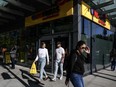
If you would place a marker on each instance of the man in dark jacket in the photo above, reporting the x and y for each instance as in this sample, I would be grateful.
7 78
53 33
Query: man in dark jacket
75 69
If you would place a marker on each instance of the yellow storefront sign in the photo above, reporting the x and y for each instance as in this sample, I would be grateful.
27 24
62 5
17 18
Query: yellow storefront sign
63 10
86 12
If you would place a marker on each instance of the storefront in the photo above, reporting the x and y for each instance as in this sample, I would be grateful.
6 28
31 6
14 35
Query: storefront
52 26
70 22
98 35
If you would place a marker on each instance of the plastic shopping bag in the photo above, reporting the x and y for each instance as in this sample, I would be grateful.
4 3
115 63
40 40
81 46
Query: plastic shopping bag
33 69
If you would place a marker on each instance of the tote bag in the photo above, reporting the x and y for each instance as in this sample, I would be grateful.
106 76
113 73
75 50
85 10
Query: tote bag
33 69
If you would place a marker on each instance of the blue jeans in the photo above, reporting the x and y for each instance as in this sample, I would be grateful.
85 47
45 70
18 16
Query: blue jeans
77 80
42 63
57 64
13 62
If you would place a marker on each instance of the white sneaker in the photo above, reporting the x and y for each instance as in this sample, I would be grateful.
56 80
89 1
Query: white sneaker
39 80
61 77
53 79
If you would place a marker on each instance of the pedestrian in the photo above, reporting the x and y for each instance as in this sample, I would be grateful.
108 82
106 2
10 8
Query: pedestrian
3 49
113 59
66 59
41 57
59 60
75 68
13 56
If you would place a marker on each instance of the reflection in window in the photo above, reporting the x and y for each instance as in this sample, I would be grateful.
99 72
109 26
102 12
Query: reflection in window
101 33
86 31
102 42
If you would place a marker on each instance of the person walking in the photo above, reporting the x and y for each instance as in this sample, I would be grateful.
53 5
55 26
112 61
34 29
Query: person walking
13 56
41 57
75 68
59 60
113 59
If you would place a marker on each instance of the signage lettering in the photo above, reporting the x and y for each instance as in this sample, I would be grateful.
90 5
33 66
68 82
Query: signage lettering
51 12
54 11
102 22
96 14
101 17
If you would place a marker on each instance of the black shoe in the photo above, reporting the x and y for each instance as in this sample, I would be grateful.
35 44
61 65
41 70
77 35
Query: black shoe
12 67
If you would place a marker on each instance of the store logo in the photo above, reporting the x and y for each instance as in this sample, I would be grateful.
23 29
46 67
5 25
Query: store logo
101 17
53 11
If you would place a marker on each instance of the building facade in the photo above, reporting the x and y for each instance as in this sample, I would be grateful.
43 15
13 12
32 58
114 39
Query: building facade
70 22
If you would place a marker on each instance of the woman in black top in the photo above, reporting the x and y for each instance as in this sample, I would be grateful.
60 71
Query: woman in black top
75 69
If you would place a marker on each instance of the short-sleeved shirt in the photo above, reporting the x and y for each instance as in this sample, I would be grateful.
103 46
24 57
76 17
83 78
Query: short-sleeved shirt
59 52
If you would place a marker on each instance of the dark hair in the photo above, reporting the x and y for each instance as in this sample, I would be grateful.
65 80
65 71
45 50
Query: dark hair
79 43
42 43
58 42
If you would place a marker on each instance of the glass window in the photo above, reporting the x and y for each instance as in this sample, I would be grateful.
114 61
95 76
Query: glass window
102 43
85 35
86 31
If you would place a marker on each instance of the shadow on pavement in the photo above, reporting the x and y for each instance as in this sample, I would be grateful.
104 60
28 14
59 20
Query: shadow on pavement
25 75
30 83
105 77
108 69
5 76
106 74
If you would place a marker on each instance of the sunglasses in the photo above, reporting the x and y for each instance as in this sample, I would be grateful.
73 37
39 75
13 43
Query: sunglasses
83 47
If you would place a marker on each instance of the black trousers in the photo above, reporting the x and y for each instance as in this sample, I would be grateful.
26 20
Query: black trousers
13 63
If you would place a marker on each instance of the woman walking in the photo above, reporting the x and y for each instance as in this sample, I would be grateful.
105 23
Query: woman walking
41 57
75 69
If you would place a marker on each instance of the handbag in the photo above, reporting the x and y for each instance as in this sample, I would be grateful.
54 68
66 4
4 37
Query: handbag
33 69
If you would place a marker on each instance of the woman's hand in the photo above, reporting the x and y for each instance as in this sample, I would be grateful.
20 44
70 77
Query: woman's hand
66 82
87 50
34 61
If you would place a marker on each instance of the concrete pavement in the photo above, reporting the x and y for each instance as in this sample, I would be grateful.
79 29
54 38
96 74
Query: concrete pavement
20 77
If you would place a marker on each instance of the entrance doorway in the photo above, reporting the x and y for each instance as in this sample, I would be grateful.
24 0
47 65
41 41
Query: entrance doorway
51 46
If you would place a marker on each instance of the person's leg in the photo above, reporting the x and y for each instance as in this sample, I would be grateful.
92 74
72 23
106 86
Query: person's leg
82 81
61 70
77 80
114 64
44 69
111 65
13 63
56 70
42 65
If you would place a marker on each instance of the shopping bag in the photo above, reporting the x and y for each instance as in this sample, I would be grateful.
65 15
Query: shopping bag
33 69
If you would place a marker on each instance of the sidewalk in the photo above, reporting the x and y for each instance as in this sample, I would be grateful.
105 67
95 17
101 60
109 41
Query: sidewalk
20 77
103 78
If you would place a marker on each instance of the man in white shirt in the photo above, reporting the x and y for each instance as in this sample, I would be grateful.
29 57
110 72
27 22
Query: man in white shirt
42 55
60 54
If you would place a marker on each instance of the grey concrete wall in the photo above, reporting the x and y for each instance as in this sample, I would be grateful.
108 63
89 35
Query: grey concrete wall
76 24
